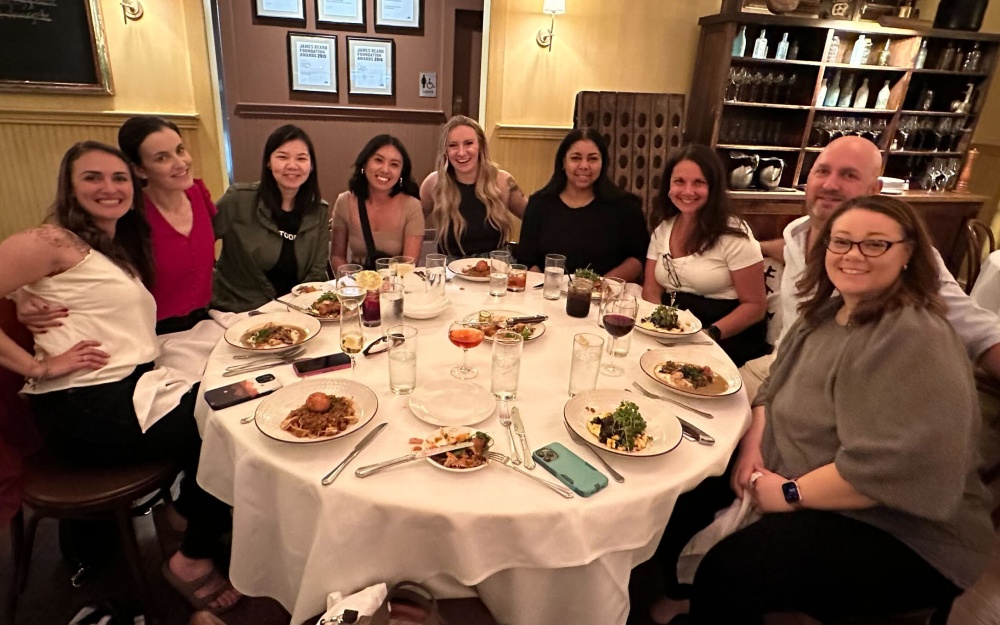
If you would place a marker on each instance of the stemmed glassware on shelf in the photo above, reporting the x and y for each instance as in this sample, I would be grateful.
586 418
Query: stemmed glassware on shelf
619 319
465 334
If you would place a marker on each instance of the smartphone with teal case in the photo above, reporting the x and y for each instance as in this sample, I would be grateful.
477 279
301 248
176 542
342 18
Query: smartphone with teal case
570 469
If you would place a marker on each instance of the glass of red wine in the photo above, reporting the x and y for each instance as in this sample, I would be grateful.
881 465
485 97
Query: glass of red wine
619 319
466 335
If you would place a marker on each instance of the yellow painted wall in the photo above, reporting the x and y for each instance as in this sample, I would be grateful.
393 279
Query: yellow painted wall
159 64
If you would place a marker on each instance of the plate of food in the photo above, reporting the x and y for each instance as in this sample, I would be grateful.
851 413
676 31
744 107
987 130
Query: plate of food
314 411
472 269
589 275
461 460
452 402
312 287
692 370
623 423
322 304
272 331
665 321
493 321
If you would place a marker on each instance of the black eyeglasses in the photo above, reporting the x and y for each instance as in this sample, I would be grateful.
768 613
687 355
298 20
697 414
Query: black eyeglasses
672 276
870 248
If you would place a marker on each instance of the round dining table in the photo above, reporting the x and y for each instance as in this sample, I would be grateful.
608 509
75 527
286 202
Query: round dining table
531 555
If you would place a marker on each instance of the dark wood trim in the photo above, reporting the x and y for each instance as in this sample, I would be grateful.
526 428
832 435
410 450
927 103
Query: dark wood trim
340 113
841 25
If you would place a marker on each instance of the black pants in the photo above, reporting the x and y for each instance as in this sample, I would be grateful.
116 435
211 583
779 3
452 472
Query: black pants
749 344
97 426
180 324
820 563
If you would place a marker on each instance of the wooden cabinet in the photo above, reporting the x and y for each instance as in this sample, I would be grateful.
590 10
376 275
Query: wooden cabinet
783 111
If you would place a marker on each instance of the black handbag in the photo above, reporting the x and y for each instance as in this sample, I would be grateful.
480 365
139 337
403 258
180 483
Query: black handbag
366 229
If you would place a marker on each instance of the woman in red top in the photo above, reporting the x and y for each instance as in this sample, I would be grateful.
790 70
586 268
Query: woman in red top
180 211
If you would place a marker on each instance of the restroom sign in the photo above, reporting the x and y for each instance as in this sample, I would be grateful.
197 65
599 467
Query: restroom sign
428 84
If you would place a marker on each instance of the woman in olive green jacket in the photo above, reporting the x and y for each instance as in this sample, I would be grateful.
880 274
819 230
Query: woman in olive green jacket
275 233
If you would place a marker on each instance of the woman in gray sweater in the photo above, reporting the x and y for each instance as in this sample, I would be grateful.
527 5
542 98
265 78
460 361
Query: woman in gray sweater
864 438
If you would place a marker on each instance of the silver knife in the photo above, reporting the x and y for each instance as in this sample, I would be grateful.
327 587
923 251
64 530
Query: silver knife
261 367
515 414
510 321
697 433
649 393
332 475
427 453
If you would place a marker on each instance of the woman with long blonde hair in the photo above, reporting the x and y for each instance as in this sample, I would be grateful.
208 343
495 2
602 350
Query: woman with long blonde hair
470 200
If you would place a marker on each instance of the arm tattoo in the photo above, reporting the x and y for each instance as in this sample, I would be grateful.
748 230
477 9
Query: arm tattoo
60 237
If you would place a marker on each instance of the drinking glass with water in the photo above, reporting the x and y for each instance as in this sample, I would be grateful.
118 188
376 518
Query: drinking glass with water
402 359
506 364
555 269
499 266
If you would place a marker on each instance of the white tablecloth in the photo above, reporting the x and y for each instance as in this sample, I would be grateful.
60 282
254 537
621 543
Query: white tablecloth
532 556
986 291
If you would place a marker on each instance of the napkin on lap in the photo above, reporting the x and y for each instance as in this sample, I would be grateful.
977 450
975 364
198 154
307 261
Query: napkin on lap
366 602
737 516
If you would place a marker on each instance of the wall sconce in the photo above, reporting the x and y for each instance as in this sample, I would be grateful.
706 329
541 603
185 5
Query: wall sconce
131 10
553 8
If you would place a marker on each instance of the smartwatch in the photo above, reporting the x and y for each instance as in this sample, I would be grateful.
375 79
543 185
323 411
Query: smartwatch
714 332
792 494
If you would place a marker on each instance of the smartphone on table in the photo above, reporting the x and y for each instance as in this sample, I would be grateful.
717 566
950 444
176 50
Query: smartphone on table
239 392
321 364
570 469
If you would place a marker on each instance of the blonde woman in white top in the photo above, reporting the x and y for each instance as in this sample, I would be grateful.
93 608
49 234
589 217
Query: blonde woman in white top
95 257
703 257
471 202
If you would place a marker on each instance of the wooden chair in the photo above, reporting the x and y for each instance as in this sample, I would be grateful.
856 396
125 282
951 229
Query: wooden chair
51 488
978 238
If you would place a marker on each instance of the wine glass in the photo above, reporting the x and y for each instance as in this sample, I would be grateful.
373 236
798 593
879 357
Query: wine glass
352 337
465 334
619 319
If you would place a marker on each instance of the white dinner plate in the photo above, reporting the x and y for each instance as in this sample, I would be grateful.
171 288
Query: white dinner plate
312 287
425 312
446 436
662 426
692 323
456 266
539 328
452 402
275 407
695 355
234 334
306 300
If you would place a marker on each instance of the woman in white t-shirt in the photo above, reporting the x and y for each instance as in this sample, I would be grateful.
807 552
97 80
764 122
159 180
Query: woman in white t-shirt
702 256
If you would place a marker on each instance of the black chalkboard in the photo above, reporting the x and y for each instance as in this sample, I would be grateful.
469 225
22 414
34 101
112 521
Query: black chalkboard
51 45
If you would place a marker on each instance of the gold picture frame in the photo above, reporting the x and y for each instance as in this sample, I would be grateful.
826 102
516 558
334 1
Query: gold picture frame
55 48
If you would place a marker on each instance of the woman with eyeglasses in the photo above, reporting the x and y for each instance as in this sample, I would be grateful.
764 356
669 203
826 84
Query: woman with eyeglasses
581 214
703 258
865 439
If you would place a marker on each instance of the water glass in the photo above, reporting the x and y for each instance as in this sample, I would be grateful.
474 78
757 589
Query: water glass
402 359
384 266
499 266
586 364
610 289
435 264
506 364
348 270
390 301
555 269
402 265
517 278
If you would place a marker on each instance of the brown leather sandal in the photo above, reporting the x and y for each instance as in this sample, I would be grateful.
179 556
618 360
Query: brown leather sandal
188 589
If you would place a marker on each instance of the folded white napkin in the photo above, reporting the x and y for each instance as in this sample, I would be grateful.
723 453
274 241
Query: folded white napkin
365 602
180 365
737 516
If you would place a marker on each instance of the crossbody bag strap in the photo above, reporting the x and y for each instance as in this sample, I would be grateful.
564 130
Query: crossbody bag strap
366 230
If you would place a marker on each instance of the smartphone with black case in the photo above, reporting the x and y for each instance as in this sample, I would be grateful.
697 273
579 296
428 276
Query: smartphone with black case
570 469
322 364
239 392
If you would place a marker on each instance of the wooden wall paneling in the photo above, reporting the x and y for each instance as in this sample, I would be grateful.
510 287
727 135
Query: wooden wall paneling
641 142
623 173
659 145
608 122
586 112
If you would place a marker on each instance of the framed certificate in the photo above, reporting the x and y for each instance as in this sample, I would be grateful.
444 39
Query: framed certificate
280 9
340 13
312 62
399 15
372 66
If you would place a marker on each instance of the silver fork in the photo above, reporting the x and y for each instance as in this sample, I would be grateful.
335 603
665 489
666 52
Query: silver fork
505 461
652 395
295 351
506 422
